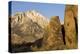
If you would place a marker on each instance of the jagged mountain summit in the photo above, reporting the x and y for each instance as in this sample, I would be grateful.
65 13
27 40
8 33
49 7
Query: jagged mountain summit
27 27
37 17
34 15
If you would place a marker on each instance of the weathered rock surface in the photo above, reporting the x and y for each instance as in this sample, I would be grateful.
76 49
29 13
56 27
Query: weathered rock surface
37 17
26 29
53 38
70 25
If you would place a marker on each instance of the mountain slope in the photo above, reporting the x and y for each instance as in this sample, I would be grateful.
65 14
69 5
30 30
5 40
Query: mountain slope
28 26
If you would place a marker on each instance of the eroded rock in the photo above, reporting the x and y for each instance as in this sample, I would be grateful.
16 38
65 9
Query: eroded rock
70 26
25 29
53 38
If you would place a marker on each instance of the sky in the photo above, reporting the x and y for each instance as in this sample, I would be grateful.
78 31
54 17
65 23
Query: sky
46 9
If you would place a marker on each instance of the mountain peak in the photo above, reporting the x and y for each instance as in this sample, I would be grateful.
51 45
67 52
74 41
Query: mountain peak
34 15
28 26
37 17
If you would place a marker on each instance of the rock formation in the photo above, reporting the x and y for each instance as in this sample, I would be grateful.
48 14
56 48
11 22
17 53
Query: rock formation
53 38
27 27
70 25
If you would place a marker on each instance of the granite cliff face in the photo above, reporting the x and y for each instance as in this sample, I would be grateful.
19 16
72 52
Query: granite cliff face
27 27
37 17
34 16
71 26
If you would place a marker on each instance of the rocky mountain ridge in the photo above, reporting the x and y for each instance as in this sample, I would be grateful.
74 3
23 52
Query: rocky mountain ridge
28 25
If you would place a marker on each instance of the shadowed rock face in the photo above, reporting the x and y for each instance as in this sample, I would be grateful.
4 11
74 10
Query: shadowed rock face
70 25
63 33
26 47
75 11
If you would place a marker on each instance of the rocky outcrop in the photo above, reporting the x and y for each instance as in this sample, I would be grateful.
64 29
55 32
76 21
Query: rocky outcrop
25 29
34 16
53 38
70 25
